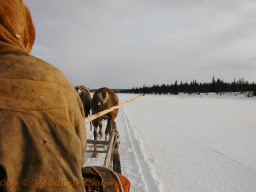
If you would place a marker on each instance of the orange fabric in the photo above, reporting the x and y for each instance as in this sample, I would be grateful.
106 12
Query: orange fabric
125 182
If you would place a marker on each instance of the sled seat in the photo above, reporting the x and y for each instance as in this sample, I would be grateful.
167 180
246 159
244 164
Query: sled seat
102 179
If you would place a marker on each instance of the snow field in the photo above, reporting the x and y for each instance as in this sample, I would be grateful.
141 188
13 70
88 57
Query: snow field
187 143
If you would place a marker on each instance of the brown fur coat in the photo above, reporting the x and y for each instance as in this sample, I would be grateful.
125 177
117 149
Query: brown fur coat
42 131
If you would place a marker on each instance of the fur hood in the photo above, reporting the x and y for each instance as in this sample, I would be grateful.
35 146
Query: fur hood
17 32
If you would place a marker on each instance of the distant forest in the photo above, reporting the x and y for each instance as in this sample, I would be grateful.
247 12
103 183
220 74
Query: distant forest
216 86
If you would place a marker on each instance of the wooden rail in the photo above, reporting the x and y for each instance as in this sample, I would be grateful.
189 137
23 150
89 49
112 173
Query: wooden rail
97 115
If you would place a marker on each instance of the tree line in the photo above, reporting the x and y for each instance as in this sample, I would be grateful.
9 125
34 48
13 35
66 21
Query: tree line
216 86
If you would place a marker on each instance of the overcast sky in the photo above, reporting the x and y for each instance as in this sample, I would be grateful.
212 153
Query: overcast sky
129 43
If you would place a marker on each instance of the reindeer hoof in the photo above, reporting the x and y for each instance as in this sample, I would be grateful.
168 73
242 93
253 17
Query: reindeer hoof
95 155
100 134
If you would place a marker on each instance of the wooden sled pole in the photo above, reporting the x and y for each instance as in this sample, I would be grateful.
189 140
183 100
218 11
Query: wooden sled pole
97 115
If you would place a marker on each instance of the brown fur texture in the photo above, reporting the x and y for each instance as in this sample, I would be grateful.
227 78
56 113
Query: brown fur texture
85 97
104 98
17 31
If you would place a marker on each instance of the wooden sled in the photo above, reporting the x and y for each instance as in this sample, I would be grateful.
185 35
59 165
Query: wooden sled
111 168
111 148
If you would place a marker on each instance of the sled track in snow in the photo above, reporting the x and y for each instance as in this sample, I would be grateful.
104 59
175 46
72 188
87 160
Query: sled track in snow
149 182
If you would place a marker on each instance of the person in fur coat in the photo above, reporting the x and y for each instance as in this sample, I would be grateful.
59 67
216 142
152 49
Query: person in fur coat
42 130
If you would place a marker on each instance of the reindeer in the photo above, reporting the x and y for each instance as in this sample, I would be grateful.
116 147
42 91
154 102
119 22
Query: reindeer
104 98
85 97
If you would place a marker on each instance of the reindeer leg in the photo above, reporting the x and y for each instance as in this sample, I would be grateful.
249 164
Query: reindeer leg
109 127
90 126
95 154
100 131
89 114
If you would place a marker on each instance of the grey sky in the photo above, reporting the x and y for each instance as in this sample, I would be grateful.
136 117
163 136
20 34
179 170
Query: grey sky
128 43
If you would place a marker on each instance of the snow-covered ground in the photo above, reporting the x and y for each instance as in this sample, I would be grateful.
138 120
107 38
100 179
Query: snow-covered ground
187 143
